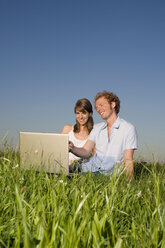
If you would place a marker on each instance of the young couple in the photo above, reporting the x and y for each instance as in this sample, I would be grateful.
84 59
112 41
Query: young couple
113 140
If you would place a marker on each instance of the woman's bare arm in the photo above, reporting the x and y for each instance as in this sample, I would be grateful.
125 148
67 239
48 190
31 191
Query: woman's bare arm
66 129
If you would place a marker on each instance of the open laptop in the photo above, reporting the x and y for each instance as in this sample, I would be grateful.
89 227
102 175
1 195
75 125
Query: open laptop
44 151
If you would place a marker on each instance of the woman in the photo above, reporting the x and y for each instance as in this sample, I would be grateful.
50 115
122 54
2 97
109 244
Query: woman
78 133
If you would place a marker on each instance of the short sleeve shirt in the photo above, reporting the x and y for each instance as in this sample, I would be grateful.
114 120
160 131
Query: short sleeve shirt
110 152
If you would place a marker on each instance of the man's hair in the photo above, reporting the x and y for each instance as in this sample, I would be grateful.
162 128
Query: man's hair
84 105
111 97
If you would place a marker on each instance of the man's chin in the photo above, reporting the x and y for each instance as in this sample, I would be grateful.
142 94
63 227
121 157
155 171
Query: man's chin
103 117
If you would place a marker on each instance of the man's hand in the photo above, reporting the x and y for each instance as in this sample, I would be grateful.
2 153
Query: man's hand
71 146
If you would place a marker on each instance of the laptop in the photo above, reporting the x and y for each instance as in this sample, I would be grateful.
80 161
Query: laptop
44 151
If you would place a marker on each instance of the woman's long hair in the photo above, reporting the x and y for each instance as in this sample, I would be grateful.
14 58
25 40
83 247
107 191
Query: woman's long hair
84 105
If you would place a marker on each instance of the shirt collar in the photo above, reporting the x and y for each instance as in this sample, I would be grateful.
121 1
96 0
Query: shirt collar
116 124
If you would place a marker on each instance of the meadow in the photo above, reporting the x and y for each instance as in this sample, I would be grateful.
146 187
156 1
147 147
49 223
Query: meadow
41 210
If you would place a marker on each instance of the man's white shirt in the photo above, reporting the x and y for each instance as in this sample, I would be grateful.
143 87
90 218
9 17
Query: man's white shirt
110 152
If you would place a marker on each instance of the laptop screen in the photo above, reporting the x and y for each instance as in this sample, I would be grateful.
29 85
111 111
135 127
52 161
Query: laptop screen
44 151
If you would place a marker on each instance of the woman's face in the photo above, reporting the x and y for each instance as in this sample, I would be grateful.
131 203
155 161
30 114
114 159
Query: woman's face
82 116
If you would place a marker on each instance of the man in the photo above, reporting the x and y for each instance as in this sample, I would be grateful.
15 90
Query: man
114 139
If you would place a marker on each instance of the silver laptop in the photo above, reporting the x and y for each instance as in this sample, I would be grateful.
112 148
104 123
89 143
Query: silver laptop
44 151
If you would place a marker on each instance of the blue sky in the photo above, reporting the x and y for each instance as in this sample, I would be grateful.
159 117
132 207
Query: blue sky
55 52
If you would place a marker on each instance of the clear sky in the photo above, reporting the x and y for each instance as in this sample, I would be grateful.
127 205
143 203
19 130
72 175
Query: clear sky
53 52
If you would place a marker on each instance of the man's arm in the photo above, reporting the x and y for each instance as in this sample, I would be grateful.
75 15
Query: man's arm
84 151
128 162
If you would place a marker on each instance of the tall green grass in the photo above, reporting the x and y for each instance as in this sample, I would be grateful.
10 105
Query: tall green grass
40 210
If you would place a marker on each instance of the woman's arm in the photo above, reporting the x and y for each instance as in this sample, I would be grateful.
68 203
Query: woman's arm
66 129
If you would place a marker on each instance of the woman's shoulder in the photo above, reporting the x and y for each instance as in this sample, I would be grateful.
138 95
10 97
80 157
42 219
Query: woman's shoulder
66 129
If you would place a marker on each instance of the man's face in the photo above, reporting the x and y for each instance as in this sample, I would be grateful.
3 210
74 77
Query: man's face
104 108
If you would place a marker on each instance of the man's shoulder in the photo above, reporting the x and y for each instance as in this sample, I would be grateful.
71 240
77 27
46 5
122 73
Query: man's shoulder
99 125
96 130
125 123
127 127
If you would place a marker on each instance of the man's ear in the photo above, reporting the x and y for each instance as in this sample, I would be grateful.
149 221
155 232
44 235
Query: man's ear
113 104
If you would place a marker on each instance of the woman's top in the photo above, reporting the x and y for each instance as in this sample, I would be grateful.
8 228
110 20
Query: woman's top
76 142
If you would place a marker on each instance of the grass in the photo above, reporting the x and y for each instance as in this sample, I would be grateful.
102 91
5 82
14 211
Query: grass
37 210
